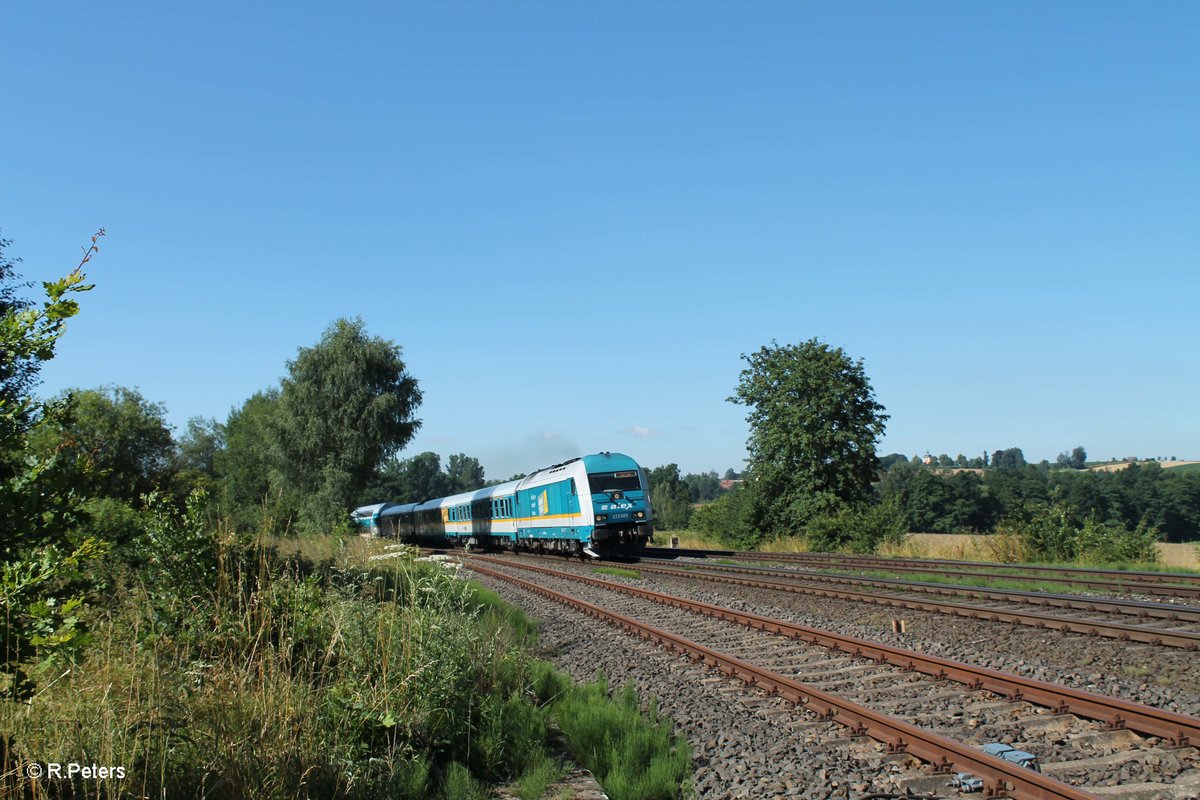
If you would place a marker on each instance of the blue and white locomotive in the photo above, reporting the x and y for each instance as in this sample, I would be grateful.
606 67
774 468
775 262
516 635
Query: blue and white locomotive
593 505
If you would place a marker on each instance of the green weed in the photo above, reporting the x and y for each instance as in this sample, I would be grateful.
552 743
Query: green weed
618 572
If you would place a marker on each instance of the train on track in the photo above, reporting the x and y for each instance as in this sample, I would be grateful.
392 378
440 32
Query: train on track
595 505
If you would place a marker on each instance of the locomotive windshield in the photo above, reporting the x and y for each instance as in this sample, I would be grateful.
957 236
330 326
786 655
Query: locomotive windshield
614 481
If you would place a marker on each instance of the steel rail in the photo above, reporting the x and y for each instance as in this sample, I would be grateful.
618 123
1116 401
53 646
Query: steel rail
1143 582
1110 630
944 754
1179 729
1140 608
1122 575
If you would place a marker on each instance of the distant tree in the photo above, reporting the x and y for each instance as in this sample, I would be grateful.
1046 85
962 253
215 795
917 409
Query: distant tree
887 461
916 461
670 498
119 442
386 486
814 423
730 475
246 465
945 461
197 449
465 473
703 487
733 518
347 405
961 461
422 479
1078 458
985 458
1012 458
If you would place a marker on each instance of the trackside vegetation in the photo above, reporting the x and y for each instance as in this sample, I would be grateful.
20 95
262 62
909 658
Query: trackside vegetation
187 618
288 678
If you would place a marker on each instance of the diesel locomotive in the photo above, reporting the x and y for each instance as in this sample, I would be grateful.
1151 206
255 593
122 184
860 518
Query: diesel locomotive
595 505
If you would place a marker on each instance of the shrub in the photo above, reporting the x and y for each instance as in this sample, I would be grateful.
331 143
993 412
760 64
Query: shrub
733 518
1113 542
859 529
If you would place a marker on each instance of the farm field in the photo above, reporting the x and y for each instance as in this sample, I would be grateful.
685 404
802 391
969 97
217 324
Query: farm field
952 546
973 547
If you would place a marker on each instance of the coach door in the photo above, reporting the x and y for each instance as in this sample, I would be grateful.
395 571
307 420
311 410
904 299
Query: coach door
572 505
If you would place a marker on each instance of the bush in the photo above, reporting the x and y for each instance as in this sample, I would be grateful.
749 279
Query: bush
1049 532
857 529
1113 542
733 519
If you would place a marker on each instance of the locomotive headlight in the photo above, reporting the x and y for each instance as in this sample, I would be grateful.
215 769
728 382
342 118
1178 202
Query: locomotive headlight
617 495
601 517
639 514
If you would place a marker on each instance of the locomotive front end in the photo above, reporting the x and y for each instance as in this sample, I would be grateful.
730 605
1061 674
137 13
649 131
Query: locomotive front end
620 502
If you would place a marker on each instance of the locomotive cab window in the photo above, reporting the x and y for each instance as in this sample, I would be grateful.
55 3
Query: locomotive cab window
626 481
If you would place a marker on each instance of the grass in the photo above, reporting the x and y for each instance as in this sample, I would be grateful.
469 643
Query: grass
634 756
345 678
618 572
1172 557
535 783
688 540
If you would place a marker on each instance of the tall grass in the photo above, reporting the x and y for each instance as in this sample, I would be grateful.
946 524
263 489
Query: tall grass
634 757
285 678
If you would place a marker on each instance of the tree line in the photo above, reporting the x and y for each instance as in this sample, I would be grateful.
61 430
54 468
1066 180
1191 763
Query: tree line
813 473
1142 494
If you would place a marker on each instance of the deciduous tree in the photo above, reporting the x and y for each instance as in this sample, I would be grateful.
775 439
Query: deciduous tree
347 404
814 424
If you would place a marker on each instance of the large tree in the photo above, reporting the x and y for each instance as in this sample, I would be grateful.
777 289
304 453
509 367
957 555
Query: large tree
814 423
465 473
245 464
670 497
117 441
346 406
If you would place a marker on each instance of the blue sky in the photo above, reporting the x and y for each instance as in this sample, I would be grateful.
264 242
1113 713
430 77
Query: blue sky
574 217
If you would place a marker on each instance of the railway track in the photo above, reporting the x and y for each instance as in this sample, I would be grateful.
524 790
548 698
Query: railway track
1173 612
1171 625
889 682
1164 584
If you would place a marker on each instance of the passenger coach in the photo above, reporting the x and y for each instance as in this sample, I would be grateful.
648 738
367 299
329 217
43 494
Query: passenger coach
586 506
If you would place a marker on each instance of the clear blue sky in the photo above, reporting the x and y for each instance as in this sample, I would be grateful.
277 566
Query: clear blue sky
574 217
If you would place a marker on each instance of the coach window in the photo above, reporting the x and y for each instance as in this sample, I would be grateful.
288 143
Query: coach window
573 486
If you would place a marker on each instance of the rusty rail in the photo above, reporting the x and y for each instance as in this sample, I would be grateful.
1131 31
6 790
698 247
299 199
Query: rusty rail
1112 630
1160 583
1179 729
1139 608
944 754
